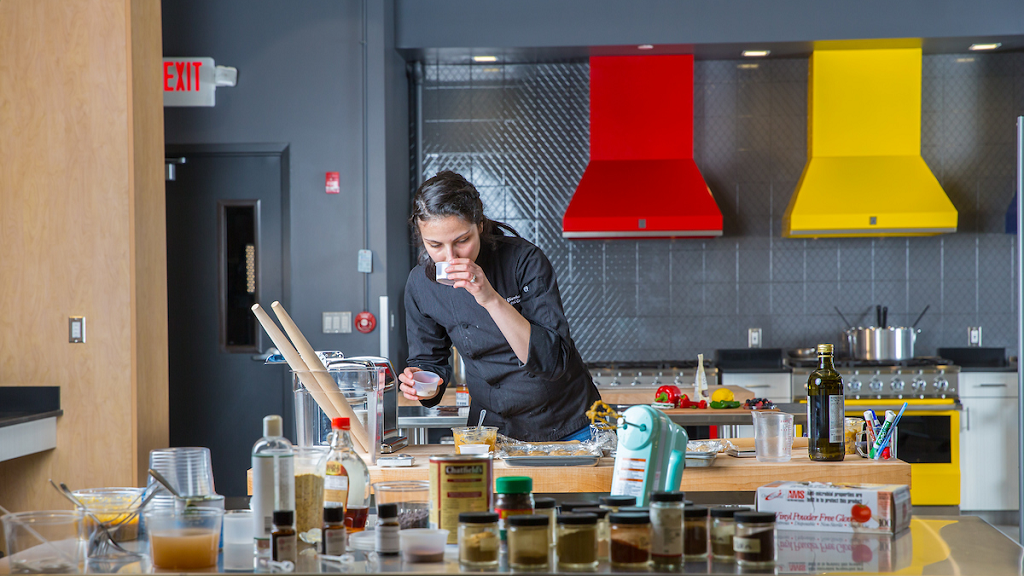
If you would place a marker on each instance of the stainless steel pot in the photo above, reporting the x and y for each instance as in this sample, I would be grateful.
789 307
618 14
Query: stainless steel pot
882 344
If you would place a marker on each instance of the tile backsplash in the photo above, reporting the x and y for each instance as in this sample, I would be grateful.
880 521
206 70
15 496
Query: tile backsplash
520 133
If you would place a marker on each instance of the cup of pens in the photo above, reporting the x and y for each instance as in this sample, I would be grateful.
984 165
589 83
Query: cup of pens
881 435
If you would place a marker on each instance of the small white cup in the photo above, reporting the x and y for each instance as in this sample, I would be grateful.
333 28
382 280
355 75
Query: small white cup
425 382
474 449
441 274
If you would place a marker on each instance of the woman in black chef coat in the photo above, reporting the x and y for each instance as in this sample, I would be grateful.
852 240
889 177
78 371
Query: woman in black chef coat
504 314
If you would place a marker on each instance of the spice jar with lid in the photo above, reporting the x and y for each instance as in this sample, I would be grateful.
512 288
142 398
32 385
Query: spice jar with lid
479 542
695 532
630 539
546 506
514 498
667 529
754 543
723 528
528 542
577 541
603 529
613 503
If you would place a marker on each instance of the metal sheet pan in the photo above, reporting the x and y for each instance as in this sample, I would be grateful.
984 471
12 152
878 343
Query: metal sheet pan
589 460
700 459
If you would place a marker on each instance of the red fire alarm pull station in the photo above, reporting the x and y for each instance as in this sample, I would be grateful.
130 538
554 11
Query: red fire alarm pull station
333 183
365 322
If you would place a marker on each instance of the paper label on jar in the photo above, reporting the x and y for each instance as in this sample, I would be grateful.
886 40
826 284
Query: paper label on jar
746 544
334 542
336 485
284 548
836 419
666 531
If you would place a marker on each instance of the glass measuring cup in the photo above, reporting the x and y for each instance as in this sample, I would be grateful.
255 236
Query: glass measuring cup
773 435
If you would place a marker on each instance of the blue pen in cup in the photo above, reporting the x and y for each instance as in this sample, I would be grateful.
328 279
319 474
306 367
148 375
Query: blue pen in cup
886 437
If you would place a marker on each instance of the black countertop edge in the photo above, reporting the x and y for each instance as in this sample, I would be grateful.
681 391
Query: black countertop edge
12 419
771 370
1011 368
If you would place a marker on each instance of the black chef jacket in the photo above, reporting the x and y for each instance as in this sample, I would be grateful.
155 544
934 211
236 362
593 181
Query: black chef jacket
542 400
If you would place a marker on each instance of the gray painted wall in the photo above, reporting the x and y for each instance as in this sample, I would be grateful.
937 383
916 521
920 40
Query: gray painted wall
300 81
520 133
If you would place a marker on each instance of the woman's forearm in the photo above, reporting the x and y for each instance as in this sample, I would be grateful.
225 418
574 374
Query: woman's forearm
513 326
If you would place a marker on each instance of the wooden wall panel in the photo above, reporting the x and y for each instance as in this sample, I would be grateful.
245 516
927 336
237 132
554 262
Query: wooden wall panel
66 233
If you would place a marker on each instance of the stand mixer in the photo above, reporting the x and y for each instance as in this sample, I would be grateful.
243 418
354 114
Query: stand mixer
651 454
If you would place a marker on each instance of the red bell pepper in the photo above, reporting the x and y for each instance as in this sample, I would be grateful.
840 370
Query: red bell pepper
669 394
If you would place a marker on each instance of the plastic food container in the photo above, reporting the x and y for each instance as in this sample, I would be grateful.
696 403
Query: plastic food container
425 382
474 449
184 540
113 507
423 545
413 499
476 435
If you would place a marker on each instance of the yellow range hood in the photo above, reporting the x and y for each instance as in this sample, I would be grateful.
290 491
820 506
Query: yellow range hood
864 174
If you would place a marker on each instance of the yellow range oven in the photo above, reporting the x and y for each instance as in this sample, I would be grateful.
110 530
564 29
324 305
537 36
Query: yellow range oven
928 436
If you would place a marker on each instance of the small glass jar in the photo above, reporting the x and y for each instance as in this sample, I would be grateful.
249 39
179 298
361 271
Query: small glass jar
613 503
479 541
723 528
528 547
603 530
577 541
754 543
546 506
695 533
630 540
667 529
513 498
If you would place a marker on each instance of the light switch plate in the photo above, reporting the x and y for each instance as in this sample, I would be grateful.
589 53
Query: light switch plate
76 329
337 322
753 337
365 263
974 336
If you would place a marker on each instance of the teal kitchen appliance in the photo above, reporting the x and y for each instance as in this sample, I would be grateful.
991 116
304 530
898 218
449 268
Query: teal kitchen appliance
650 456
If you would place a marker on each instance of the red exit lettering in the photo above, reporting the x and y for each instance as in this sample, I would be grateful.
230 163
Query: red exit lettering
184 74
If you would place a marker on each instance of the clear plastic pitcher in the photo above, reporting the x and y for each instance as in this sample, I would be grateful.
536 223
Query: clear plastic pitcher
773 435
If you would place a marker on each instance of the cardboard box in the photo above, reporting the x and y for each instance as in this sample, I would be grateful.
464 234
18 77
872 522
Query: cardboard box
817 552
827 507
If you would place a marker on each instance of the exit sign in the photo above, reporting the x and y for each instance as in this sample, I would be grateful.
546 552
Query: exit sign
189 82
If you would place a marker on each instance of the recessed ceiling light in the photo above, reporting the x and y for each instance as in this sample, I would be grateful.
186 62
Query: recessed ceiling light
991 46
646 47
756 53
485 58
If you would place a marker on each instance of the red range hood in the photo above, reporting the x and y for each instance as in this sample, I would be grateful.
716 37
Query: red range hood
641 181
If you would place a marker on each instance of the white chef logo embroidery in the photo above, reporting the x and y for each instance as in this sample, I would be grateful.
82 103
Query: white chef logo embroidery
514 299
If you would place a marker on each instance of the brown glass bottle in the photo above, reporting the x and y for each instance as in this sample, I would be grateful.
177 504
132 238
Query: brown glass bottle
825 409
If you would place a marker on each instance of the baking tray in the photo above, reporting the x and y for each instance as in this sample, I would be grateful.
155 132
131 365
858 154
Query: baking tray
589 460
700 459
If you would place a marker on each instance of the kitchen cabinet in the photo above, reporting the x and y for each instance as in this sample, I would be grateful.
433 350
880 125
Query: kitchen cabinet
988 441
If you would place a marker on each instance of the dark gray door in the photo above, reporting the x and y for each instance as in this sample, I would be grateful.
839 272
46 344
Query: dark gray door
224 252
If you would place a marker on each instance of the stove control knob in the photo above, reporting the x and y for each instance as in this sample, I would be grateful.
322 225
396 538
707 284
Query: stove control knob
615 380
897 385
941 384
854 385
875 384
919 384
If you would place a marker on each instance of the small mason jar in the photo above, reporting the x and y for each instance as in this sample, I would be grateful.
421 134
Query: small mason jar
577 541
528 542
546 506
723 528
613 503
667 529
630 540
603 535
695 533
479 541
754 543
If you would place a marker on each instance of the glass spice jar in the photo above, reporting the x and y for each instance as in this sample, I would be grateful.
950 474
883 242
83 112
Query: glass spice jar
528 542
479 541
723 528
603 529
613 503
546 506
667 529
630 540
577 541
754 543
695 533
513 498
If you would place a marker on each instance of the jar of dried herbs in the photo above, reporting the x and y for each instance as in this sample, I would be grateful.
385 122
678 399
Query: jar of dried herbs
479 542
577 541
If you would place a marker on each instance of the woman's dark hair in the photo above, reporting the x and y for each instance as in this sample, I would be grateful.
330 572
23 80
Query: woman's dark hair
450 194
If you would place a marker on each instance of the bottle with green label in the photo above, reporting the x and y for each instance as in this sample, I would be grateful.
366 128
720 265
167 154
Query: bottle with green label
826 409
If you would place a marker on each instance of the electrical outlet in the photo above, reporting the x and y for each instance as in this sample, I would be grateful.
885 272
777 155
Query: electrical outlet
337 322
974 336
753 337
76 329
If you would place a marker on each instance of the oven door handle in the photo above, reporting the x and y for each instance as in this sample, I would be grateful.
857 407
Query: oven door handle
881 408
965 422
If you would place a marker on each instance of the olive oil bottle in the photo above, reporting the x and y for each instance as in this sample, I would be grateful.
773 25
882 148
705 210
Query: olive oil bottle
826 409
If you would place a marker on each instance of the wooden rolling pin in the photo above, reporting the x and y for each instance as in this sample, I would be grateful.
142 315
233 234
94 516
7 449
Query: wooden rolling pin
319 371
299 367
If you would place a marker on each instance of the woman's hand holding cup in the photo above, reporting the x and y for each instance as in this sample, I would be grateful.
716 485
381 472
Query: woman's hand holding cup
418 384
